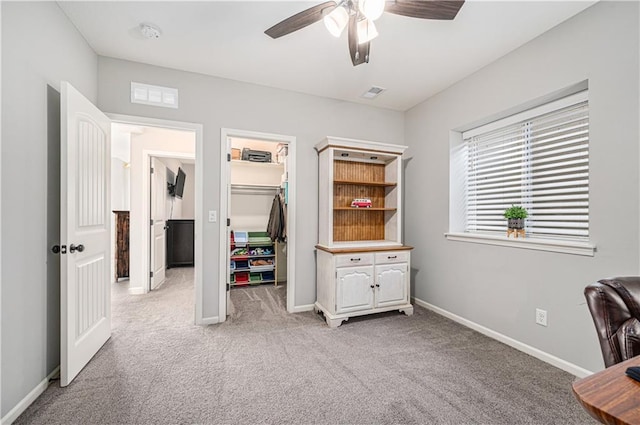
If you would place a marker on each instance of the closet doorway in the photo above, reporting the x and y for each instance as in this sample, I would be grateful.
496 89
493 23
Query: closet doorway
257 210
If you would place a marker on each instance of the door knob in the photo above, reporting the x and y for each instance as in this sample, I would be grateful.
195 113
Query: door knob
55 249
73 248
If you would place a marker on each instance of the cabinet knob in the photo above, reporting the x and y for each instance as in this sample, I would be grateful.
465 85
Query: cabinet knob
73 248
377 285
372 286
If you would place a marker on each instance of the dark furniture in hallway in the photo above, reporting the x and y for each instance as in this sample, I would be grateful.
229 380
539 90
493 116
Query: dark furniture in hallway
180 245
122 244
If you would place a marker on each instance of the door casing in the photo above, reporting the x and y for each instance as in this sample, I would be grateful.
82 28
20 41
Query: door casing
200 319
225 186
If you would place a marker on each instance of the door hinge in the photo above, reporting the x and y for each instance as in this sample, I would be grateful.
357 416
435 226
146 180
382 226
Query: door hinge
152 170
228 222
228 157
151 274
151 222
228 286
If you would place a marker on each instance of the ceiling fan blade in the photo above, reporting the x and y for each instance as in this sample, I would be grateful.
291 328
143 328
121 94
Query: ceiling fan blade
301 20
359 52
425 9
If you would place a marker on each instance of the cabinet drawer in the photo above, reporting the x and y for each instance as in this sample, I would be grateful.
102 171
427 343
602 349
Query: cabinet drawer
392 257
356 259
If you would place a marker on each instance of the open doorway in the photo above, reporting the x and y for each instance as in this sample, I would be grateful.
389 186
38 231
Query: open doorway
144 187
171 215
258 201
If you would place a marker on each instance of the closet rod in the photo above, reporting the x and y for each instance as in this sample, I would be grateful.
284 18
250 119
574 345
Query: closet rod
240 188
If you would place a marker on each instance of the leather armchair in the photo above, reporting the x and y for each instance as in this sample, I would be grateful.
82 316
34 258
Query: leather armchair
615 308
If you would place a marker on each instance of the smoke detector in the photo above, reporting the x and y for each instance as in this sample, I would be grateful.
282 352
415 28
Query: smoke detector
149 31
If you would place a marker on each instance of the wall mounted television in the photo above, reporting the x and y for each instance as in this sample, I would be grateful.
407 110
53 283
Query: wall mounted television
179 186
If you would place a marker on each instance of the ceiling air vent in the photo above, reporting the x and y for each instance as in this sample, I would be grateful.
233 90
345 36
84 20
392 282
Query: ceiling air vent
373 92
154 95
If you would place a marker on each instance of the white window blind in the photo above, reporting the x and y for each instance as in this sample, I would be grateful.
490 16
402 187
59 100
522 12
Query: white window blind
538 159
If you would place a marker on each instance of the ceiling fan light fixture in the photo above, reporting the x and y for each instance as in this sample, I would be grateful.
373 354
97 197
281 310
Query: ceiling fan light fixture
366 31
336 21
372 9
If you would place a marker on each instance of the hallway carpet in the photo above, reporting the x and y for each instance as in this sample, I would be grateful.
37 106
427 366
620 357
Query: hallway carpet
266 366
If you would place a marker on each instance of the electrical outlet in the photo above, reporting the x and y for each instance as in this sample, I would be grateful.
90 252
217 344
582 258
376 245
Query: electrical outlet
541 317
213 216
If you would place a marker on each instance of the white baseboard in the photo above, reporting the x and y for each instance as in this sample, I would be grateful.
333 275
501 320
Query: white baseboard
136 290
209 320
13 414
532 351
302 308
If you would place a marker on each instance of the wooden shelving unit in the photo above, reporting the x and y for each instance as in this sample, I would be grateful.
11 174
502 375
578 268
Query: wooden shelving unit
356 170
245 271
362 265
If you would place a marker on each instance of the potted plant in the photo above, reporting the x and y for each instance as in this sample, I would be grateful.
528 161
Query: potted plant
515 216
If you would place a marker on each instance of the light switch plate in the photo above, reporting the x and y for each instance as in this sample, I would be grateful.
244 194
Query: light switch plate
213 216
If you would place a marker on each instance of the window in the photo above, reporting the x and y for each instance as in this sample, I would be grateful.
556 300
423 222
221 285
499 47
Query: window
538 159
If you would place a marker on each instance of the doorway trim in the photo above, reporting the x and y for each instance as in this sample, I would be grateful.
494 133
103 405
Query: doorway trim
199 192
147 155
225 134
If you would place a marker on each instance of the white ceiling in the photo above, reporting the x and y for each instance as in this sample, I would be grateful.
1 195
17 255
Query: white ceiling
412 58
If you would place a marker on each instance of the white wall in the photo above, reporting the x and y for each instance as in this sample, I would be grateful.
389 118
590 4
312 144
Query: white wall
219 103
151 140
500 287
40 47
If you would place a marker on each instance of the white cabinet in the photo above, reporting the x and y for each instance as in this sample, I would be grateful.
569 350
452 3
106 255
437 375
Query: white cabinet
357 283
391 284
354 289
362 265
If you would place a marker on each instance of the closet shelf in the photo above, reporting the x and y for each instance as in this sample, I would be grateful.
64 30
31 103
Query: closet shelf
361 183
248 257
253 260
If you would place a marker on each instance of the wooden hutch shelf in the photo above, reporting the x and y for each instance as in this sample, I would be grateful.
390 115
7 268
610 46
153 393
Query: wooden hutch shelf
383 184
362 265
363 209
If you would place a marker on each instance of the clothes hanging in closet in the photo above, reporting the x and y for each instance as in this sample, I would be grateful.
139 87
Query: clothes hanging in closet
277 226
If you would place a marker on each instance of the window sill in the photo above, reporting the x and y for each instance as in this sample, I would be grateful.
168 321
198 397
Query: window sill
552 245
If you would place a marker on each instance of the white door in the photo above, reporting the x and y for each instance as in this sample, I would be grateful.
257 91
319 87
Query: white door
158 223
391 284
354 289
85 297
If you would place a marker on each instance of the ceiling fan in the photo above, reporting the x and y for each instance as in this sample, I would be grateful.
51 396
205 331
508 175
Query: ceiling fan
358 16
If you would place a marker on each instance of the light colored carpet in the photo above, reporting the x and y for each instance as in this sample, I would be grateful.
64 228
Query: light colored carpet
266 366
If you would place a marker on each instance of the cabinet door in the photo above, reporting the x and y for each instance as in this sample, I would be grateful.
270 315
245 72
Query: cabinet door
354 289
392 284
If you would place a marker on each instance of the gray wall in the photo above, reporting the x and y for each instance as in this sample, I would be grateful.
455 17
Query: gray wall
218 103
40 47
188 196
500 287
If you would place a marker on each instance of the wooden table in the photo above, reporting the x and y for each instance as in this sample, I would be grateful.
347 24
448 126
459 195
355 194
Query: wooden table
610 396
